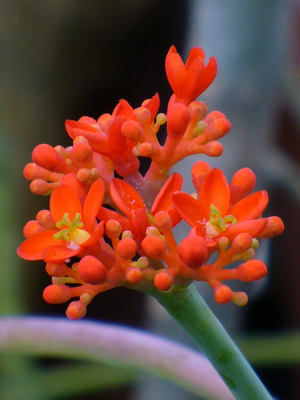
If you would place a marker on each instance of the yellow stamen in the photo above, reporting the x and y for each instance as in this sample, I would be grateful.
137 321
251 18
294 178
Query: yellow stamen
72 234
216 223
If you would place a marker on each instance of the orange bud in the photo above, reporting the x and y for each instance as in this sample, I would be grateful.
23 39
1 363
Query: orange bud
45 156
242 242
252 270
133 130
39 186
200 170
153 246
133 275
193 251
223 294
178 118
44 218
127 248
217 129
57 270
198 110
57 294
113 228
32 228
143 115
213 115
162 221
163 281
274 228
76 310
91 270
242 183
81 149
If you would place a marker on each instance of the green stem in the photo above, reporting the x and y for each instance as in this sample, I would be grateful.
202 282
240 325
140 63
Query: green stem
189 309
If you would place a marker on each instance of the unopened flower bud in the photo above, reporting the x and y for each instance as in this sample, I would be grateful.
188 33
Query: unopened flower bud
57 294
274 228
162 221
242 242
242 183
163 281
200 170
91 270
58 270
198 110
76 310
153 246
45 156
81 150
252 270
133 130
178 118
193 251
143 115
113 228
32 228
223 294
213 115
126 248
44 218
133 275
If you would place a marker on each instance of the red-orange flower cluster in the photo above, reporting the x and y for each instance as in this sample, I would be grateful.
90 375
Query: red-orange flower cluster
101 231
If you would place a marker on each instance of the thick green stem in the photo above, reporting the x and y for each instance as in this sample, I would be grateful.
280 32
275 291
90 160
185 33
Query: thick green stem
189 309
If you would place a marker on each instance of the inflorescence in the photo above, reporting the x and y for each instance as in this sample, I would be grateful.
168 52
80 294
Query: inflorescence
103 231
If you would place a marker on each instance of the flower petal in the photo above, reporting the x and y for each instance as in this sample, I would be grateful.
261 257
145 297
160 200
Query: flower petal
191 210
191 80
64 200
215 191
250 207
175 69
53 254
126 197
207 78
33 247
92 204
253 226
96 138
163 201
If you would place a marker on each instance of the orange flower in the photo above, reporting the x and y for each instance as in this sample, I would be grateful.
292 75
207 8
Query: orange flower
106 135
73 227
212 216
136 216
191 79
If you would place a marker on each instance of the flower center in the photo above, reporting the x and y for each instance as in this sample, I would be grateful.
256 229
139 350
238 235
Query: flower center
72 234
216 223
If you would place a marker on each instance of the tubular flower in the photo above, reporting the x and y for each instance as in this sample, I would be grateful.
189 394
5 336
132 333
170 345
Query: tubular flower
103 231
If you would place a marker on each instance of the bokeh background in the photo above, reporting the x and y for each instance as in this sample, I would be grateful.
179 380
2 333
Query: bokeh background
62 60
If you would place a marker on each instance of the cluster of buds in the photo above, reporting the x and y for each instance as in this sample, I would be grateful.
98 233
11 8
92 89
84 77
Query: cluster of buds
108 225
